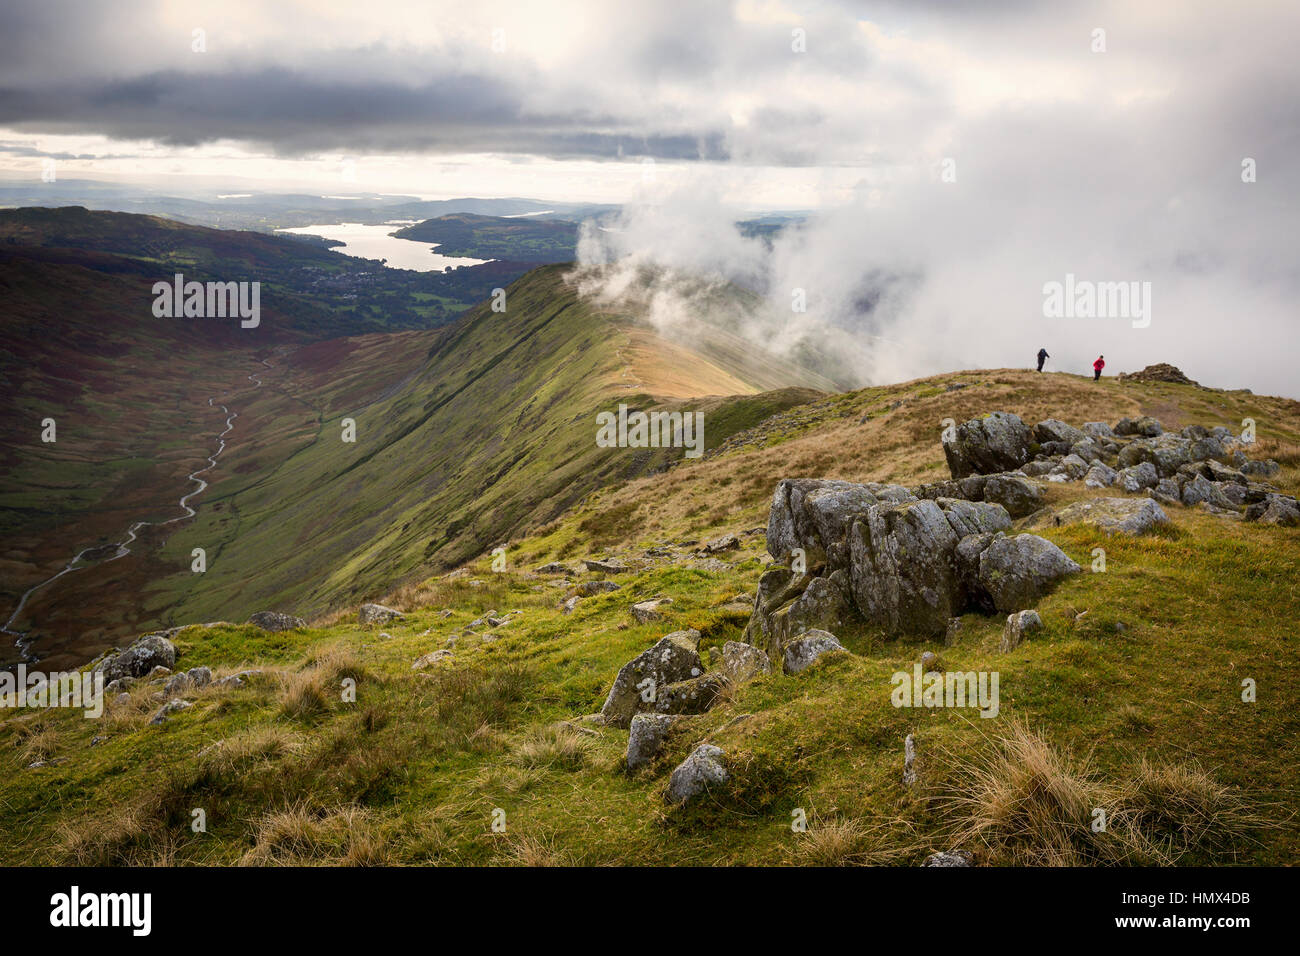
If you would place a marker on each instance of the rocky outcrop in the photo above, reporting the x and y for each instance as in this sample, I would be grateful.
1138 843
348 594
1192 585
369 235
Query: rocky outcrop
743 662
997 442
139 659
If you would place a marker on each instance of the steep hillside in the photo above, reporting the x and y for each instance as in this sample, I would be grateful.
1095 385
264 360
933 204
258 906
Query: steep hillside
462 437
467 741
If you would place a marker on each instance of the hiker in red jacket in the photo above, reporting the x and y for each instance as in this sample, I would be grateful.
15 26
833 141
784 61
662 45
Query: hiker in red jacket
1097 366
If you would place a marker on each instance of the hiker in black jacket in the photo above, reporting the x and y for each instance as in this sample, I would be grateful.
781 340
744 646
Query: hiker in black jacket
1042 357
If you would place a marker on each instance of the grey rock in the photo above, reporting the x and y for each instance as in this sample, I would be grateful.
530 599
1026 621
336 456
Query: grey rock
1017 571
997 442
1054 430
673 658
1114 515
1072 467
646 737
902 574
1135 478
139 659
743 662
692 696
605 566
1019 625
647 611
592 588
377 614
1281 511
909 761
167 709
1100 475
1098 429
803 652
275 621
703 769
1146 425
950 858
1017 494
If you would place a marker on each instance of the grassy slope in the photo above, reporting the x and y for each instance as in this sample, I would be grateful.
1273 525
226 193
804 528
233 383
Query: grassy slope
413 771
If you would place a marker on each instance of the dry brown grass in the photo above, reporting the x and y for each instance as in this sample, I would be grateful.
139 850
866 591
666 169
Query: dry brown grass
557 747
1023 802
302 834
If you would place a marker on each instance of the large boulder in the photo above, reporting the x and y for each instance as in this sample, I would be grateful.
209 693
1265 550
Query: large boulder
1200 489
673 658
141 657
275 621
1281 511
704 768
1016 493
997 442
1017 571
815 515
803 653
825 604
1166 453
1054 430
902 573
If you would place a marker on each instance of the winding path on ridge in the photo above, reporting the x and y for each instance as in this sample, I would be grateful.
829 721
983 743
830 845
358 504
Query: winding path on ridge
123 547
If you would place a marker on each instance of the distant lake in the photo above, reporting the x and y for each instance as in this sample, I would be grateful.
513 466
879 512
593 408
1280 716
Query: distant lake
374 242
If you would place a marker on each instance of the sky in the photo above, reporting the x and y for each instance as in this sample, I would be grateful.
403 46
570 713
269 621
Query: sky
957 156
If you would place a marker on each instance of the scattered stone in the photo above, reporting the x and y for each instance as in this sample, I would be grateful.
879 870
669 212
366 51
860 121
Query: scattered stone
192 679
648 611
570 604
610 566
1019 625
728 542
377 614
743 662
930 661
275 621
1137 477
692 696
646 736
1098 430
1113 515
1100 475
1017 494
703 769
1057 431
909 760
592 588
950 858
555 567
1146 425
432 657
169 708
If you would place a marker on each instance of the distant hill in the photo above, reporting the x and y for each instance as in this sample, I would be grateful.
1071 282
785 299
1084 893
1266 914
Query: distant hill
523 239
